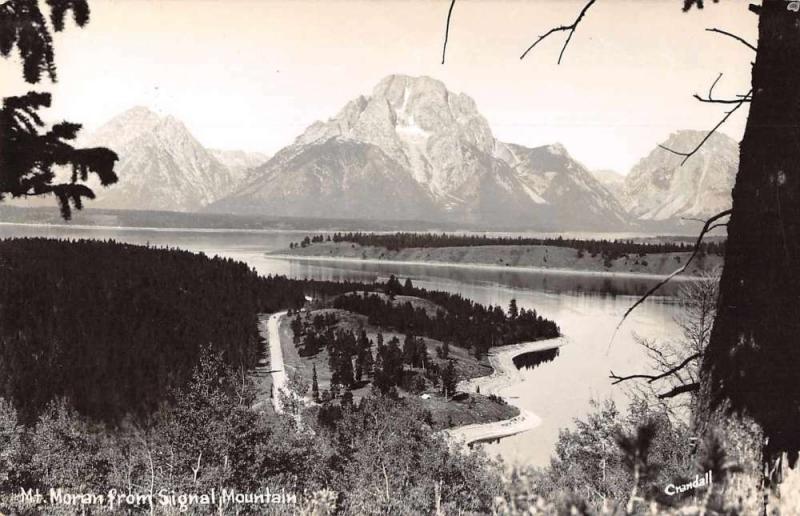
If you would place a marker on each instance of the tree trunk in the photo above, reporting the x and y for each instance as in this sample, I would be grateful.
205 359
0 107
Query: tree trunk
752 365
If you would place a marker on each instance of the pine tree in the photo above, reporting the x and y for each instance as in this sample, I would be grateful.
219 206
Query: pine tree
314 383
513 311
346 375
347 398
409 350
393 286
449 379
369 363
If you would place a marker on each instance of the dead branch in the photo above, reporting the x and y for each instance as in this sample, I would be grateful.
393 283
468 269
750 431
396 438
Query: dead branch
447 29
618 379
709 225
680 389
687 155
710 98
563 28
654 378
663 361
734 36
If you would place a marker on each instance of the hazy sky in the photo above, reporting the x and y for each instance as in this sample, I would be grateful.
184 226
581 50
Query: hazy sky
253 74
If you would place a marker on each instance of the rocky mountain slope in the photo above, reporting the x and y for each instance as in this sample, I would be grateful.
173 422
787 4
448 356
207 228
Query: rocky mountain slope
239 162
415 150
161 166
659 188
613 181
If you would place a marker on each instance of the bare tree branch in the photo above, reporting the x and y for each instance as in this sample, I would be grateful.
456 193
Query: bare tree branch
734 36
706 228
687 155
563 28
710 98
447 29
653 378
680 389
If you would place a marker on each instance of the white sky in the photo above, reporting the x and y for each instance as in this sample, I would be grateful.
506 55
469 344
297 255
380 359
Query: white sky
246 74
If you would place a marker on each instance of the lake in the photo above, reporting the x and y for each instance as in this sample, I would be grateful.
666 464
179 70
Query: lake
586 307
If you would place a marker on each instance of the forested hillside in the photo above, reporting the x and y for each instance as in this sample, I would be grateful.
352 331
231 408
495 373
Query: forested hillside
607 248
114 327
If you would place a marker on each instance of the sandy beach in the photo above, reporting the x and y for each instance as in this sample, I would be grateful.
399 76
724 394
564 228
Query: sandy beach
505 374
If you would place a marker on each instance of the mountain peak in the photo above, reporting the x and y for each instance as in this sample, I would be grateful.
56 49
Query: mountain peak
395 82
694 136
661 186
421 150
161 165
138 114
558 148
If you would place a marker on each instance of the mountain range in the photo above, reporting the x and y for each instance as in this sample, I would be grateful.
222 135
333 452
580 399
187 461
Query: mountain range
661 187
414 149
410 150
162 166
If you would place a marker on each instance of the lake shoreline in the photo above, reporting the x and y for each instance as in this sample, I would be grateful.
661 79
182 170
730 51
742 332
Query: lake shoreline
504 375
480 266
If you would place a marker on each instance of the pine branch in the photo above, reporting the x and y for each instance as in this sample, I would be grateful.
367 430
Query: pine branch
563 28
28 155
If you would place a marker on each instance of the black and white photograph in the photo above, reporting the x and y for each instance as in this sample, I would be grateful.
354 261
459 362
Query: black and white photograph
400 257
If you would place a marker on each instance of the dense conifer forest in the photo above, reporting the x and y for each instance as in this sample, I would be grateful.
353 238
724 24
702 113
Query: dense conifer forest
611 249
116 329
459 322
113 327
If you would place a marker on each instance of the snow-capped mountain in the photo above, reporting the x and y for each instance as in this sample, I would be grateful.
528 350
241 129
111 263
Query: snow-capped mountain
660 188
334 178
414 150
161 165
552 178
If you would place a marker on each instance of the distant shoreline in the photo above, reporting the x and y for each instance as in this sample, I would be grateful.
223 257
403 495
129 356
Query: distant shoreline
480 266
159 229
